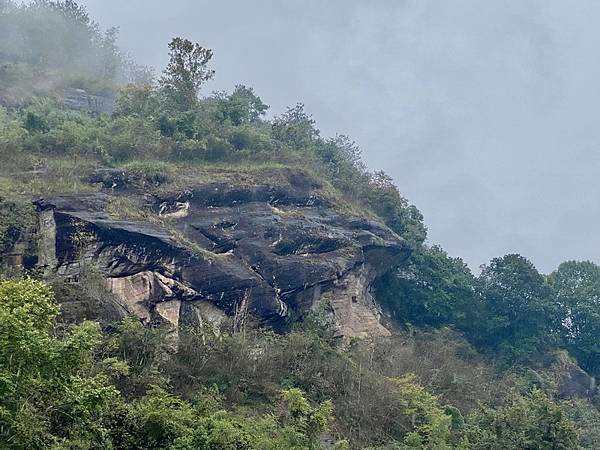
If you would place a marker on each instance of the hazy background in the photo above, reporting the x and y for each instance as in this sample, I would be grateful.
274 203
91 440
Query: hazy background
485 113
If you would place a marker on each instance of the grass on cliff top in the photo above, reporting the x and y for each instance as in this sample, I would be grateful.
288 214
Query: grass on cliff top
181 176
40 178
44 177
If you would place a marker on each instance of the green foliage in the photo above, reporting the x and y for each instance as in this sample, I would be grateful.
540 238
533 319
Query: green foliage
533 422
510 309
152 172
341 158
576 286
432 289
137 100
185 73
295 129
374 400
48 393
587 420
309 420
430 425
242 106
142 348
385 199
160 418
517 314
59 391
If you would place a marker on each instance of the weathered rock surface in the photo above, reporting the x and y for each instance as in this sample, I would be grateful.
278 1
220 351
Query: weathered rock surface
80 100
219 249
576 383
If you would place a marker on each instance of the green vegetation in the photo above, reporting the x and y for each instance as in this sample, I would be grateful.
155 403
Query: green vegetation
76 387
530 422
576 286
509 311
59 391
474 361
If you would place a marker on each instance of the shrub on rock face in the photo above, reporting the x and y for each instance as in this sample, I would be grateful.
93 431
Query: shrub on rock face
16 218
385 199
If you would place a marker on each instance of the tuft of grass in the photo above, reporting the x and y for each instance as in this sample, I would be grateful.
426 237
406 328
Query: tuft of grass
152 172
129 208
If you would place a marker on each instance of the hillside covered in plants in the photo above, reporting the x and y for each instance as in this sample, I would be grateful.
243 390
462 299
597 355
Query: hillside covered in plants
189 270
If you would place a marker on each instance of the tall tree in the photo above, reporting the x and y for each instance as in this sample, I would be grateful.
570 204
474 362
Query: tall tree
386 200
186 72
577 289
518 314
431 289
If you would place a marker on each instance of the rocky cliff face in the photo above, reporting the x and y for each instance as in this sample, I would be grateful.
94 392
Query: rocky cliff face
272 252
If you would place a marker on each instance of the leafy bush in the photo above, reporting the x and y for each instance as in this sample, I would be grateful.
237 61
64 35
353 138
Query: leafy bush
533 422
151 172
47 392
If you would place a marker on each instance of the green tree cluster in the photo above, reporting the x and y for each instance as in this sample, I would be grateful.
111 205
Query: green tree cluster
509 309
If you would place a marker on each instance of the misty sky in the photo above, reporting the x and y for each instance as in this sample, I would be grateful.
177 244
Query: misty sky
484 112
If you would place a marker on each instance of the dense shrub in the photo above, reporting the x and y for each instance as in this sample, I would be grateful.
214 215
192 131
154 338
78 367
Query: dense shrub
48 390
532 422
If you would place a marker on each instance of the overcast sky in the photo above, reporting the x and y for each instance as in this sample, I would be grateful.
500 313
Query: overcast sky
484 112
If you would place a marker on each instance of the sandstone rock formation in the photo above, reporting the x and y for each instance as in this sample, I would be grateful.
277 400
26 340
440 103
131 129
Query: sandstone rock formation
221 249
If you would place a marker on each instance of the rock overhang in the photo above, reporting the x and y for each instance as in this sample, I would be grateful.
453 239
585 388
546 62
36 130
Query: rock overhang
268 248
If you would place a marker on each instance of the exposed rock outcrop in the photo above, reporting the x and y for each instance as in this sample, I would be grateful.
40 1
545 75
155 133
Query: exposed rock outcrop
80 100
574 382
221 249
